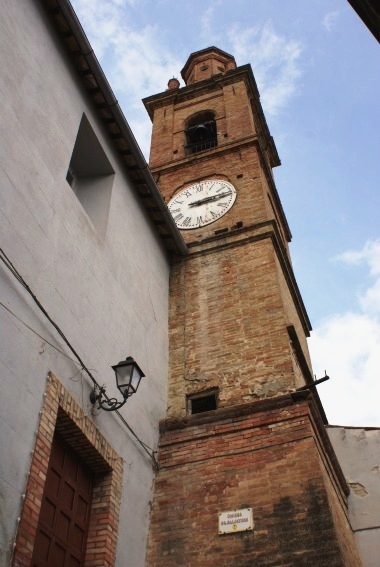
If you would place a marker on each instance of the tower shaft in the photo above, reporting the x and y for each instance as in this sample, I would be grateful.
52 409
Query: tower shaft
237 435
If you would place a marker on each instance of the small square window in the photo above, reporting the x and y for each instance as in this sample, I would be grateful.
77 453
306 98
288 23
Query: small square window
199 403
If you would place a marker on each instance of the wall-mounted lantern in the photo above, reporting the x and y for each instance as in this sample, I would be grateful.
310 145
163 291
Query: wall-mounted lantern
128 376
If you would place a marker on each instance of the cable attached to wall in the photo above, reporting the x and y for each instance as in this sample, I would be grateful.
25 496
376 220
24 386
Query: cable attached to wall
7 262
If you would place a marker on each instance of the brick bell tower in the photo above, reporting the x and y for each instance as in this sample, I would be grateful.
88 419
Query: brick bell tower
247 474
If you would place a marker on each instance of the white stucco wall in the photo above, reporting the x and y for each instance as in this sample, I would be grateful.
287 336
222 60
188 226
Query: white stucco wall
358 452
107 293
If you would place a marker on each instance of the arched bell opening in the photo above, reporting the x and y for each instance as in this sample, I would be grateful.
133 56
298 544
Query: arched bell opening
201 133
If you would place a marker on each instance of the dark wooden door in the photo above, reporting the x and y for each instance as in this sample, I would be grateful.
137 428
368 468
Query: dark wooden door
65 510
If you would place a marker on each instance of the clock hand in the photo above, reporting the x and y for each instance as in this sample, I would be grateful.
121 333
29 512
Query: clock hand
208 199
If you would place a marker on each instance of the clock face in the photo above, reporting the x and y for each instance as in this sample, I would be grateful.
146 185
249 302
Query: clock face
202 203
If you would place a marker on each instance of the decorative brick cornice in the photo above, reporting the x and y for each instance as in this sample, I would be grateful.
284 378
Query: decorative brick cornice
231 412
261 414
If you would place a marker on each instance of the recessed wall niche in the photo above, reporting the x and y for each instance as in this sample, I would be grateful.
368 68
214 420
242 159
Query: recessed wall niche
91 176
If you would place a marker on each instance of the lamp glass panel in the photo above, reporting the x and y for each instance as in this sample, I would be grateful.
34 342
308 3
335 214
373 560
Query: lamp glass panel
123 377
136 377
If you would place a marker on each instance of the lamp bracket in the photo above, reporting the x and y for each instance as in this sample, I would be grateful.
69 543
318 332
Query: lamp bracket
98 395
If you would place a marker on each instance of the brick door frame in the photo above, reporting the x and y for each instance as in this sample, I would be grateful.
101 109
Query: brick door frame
60 412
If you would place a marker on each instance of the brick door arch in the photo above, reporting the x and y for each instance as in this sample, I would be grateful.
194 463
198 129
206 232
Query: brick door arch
62 415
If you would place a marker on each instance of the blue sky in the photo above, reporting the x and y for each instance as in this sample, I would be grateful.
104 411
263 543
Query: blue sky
318 72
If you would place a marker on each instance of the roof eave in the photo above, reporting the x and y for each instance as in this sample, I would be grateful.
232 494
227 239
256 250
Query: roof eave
96 84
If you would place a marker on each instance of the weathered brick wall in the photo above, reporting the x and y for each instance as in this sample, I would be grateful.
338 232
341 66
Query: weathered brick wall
337 501
343 528
259 456
161 150
229 308
240 122
227 327
273 210
290 312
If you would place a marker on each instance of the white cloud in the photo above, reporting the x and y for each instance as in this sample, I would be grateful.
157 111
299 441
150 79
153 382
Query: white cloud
348 346
275 61
136 62
329 20
370 254
207 19
370 301
100 21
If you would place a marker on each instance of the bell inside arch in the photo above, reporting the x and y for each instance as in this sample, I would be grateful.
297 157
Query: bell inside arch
202 131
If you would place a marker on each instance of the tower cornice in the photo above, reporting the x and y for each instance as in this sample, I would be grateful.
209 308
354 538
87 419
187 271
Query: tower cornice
286 407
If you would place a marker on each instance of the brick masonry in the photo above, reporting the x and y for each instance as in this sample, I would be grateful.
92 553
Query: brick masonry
62 413
238 326
273 457
228 318
234 295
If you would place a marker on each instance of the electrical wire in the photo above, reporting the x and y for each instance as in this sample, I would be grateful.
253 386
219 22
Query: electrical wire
78 360
38 335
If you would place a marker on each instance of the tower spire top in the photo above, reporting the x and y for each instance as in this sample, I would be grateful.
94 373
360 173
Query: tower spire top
205 63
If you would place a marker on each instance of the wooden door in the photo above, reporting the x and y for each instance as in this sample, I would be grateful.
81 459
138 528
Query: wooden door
65 510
